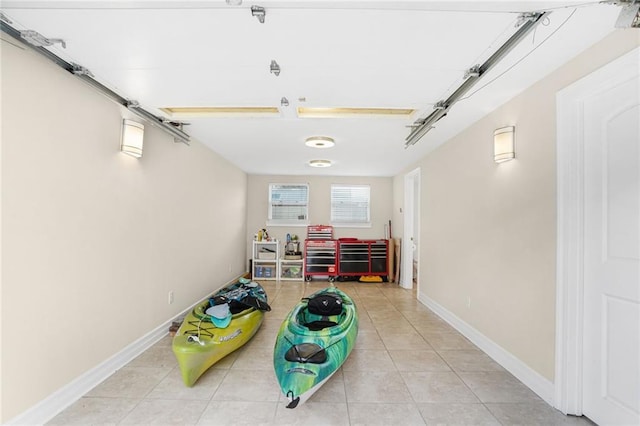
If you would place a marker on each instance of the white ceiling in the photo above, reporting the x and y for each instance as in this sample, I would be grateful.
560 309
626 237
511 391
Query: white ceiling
359 53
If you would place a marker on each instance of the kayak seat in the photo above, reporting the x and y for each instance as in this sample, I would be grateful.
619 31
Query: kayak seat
323 311
306 352
325 304
317 322
320 325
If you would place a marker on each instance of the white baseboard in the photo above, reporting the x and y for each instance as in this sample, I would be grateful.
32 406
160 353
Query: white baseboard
532 379
52 405
49 407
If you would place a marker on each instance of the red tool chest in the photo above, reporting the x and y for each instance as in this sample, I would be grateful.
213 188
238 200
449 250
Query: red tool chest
363 257
320 253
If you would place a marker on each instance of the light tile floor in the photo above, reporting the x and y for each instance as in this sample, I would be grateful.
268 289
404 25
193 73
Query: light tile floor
408 367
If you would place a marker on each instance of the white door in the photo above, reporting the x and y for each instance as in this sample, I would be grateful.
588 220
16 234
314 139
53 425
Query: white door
611 345
411 229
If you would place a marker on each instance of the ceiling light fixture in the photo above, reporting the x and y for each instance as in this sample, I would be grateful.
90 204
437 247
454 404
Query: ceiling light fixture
526 23
319 142
234 2
315 112
219 112
258 12
320 163
274 68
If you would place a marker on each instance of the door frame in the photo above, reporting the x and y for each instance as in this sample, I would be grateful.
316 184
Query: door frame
570 226
411 227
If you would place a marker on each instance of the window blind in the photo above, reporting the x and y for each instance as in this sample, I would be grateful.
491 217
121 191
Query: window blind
288 202
350 203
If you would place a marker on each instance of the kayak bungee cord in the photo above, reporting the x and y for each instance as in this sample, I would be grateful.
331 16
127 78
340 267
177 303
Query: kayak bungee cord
193 338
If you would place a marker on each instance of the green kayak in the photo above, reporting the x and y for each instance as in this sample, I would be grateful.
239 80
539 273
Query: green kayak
313 342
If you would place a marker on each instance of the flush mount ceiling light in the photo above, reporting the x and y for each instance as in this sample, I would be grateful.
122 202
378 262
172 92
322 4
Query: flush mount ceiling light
320 163
315 112
504 144
220 112
132 138
234 2
319 142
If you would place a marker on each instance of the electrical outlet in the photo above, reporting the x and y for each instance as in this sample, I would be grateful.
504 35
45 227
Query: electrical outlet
170 297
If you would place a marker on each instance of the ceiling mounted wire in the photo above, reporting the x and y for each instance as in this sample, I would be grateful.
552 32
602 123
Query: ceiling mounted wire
473 75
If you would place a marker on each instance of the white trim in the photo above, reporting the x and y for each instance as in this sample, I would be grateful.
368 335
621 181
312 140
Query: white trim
52 405
532 379
274 223
49 407
570 229
570 202
411 180
351 224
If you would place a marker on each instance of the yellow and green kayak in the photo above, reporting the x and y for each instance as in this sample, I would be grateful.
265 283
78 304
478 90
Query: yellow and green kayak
219 326
313 342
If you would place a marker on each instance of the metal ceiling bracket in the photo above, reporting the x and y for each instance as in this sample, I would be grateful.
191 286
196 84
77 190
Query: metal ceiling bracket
438 105
4 18
80 70
36 39
176 132
274 68
526 22
474 71
258 12
85 75
629 16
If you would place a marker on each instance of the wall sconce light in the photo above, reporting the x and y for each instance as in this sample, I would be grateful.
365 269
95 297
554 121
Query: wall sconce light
504 144
132 136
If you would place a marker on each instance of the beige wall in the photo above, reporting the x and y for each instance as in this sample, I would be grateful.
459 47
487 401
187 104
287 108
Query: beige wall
488 231
93 240
319 205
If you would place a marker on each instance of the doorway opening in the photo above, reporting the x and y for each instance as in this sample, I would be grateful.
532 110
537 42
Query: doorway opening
409 276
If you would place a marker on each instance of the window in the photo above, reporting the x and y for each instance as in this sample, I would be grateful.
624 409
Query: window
350 205
288 204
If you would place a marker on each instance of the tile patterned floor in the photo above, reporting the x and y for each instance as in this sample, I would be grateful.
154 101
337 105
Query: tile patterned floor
408 367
